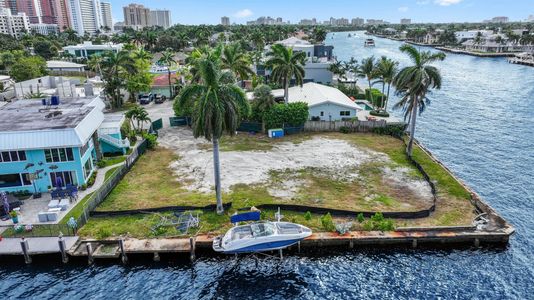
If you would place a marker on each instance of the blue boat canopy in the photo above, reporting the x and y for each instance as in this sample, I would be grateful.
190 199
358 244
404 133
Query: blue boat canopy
249 216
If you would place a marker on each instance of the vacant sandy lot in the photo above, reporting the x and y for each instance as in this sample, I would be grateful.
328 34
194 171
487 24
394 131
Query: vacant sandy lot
333 158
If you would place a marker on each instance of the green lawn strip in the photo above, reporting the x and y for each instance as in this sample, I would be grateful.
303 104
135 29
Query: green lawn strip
77 210
110 161
37 231
110 172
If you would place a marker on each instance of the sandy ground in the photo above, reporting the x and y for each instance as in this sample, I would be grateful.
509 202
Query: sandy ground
335 157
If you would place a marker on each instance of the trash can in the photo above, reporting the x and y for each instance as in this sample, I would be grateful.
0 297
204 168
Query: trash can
276 133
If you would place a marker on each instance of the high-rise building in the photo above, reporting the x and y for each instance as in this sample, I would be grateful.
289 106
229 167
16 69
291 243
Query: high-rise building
308 21
32 9
499 20
530 18
225 21
160 17
63 17
107 20
86 16
11 5
357 22
136 16
406 21
14 25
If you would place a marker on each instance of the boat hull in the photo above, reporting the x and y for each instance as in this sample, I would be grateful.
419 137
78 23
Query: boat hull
267 246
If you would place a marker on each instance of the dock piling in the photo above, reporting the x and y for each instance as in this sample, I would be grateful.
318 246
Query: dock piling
477 242
414 243
192 243
298 246
25 250
351 243
62 249
156 257
90 258
124 258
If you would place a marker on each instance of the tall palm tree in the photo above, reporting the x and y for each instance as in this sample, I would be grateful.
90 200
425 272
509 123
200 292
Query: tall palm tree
235 60
167 59
286 64
367 70
115 68
415 82
387 69
95 64
217 107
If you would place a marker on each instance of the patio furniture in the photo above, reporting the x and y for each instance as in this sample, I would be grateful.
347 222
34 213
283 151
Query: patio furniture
42 216
64 204
52 216
53 204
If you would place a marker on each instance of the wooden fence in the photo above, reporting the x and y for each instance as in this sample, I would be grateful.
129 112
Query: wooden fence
352 126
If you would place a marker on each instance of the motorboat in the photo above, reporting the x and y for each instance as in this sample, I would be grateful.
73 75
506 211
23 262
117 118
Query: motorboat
260 237
369 43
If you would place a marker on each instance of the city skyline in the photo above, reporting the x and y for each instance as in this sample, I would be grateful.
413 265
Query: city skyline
419 11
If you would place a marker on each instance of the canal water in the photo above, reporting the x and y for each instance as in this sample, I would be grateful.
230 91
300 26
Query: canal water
481 124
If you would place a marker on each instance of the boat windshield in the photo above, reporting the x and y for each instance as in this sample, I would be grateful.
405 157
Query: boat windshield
262 229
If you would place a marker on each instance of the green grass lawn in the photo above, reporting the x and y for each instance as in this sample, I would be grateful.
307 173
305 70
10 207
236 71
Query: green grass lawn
110 161
77 210
151 183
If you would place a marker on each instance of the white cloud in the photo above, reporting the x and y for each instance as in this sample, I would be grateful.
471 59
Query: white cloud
403 9
447 2
243 13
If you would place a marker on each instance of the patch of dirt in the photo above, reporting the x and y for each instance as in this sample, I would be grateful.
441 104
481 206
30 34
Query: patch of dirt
339 159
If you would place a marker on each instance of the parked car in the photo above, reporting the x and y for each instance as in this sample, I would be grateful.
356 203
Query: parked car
146 98
160 98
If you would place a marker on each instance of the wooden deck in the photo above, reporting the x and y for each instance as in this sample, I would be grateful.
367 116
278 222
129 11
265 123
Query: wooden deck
37 245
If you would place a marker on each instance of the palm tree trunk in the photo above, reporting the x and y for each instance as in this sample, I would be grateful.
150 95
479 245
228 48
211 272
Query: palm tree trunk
217 173
170 86
371 94
412 127
286 91
387 97
383 91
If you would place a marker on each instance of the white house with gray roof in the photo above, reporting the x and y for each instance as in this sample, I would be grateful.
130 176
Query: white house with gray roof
324 102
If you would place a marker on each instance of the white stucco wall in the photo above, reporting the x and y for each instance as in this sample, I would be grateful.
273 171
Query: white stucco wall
331 112
318 72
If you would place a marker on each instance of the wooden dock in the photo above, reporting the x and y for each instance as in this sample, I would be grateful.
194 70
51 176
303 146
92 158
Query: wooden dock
37 245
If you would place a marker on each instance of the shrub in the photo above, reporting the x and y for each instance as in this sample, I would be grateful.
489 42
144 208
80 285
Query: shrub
103 233
379 113
344 129
101 163
152 140
293 114
126 128
308 216
377 97
92 179
393 130
360 218
378 222
327 222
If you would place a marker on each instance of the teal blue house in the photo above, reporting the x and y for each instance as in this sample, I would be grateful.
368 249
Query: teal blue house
39 143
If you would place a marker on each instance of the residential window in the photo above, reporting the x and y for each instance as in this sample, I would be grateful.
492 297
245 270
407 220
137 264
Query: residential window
88 167
68 177
84 148
8 156
15 179
322 113
344 113
58 155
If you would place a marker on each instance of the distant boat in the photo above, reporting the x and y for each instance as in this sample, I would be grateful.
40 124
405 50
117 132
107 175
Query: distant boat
259 236
369 43
349 35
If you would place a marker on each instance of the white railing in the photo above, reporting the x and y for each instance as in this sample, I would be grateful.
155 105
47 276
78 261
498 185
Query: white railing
125 143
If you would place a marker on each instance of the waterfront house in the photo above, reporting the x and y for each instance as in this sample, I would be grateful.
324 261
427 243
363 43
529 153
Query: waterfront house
86 49
61 138
319 59
325 103
496 43
64 66
462 36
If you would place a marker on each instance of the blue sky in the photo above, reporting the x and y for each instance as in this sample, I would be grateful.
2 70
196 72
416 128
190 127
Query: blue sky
240 11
